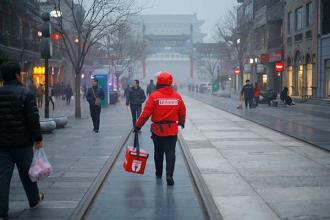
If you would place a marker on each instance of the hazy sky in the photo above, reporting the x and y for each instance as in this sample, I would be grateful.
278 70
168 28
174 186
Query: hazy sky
211 11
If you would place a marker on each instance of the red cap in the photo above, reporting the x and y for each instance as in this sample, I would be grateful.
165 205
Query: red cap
165 78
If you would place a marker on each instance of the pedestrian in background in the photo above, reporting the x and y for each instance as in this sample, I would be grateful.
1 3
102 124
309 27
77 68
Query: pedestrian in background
135 99
167 111
248 93
151 88
19 131
51 96
62 90
256 93
40 95
68 94
175 87
285 97
94 97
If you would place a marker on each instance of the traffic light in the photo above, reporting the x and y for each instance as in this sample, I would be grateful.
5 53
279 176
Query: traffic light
46 49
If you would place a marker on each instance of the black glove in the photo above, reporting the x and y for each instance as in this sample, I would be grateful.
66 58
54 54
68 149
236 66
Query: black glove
136 129
182 125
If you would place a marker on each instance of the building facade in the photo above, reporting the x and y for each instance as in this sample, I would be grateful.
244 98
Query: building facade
323 81
260 27
19 26
300 45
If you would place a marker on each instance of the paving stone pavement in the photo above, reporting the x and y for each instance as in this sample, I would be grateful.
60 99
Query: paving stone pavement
77 154
254 172
304 121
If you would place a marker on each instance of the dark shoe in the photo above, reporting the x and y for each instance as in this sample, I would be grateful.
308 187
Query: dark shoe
3 217
158 175
96 131
41 198
170 181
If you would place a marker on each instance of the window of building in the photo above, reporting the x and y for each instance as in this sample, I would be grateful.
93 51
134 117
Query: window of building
290 22
325 7
248 11
309 14
259 4
327 72
299 18
260 38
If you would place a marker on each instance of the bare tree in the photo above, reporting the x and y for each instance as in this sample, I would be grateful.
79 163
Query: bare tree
208 63
210 58
126 46
234 36
84 23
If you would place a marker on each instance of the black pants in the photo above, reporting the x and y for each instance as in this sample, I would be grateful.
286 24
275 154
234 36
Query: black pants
136 112
40 100
248 101
95 114
256 100
68 100
52 101
164 145
22 157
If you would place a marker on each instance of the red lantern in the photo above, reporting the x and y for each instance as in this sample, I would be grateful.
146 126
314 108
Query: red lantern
237 71
279 66
55 36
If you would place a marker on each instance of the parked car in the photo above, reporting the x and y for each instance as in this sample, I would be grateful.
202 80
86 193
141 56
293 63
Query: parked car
205 87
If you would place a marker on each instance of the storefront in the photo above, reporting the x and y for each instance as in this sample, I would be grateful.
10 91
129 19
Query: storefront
38 75
327 75
247 74
271 78
303 76
289 80
309 79
263 79
299 79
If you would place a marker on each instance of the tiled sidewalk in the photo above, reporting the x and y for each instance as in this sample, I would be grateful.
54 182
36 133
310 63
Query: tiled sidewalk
254 172
306 122
77 155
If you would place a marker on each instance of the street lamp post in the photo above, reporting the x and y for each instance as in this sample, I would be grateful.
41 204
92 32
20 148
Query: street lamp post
46 53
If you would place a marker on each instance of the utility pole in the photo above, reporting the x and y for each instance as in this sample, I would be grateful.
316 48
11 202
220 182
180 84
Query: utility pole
46 53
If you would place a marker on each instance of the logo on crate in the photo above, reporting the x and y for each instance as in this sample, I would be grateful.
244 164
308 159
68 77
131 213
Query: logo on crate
136 165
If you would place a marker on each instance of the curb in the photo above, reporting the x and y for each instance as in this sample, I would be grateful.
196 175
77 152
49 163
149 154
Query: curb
212 211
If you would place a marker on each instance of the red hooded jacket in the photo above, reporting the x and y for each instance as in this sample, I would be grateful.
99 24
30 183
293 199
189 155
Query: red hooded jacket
167 111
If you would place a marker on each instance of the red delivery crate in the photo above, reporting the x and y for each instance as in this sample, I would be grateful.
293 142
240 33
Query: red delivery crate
135 163
135 158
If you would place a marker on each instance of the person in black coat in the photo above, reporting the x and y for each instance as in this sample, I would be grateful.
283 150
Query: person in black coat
94 97
19 131
151 87
68 94
248 92
285 97
135 99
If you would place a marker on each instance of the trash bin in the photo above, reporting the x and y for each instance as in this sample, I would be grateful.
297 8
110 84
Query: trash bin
113 97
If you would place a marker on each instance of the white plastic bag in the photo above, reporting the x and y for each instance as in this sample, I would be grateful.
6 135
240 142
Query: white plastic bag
40 167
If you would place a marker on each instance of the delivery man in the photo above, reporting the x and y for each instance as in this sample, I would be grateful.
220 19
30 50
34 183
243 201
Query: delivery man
167 111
